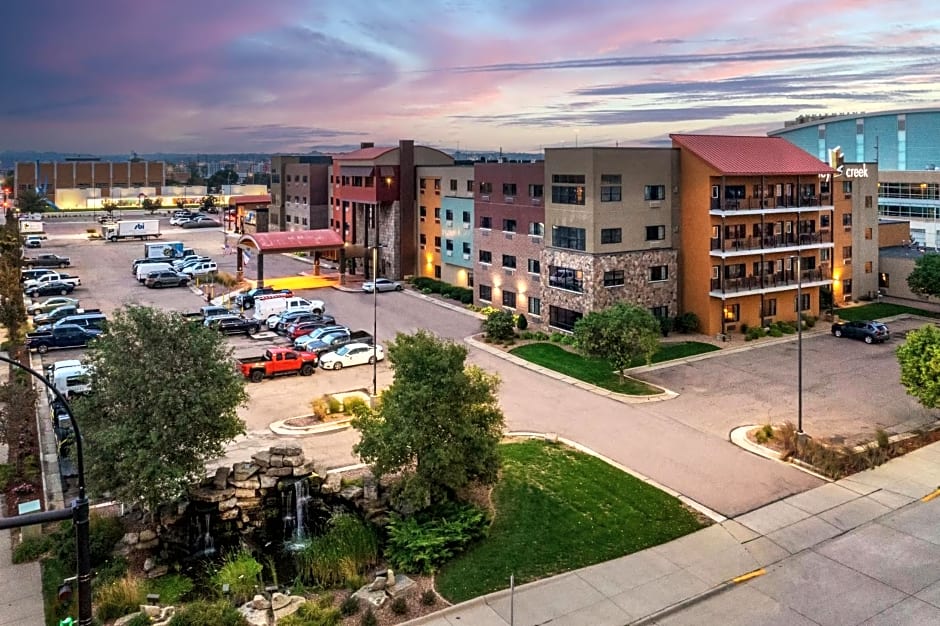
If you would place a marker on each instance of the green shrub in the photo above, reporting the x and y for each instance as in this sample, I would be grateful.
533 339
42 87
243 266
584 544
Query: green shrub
241 572
346 549
312 613
32 548
423 542
744 329
140 619
6 474
567 340
428 598
203 613
522 323
119 598
541 336
499 326
335 405
368 618
557 337
775 332
881 438
399 606
354 404
349 606
172 588
755 332
113 569
687 323
103 535
809 321
467 297
666 324
425 291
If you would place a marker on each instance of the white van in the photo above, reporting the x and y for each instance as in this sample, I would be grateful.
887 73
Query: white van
276 303
71 380
145 268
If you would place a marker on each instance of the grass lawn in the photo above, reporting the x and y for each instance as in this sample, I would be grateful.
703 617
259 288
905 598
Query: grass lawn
878 310
558 510
598 371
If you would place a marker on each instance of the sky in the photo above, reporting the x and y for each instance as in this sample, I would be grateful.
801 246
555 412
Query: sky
213 76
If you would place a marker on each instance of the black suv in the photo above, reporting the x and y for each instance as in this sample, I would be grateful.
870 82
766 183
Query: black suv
866 330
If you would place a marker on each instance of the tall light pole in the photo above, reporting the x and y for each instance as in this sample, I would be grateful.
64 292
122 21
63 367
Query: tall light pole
375 316
78 513
799 346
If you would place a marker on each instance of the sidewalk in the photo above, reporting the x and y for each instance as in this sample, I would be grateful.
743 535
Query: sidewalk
864 546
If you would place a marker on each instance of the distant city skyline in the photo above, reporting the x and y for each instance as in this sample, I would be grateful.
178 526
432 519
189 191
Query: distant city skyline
112 77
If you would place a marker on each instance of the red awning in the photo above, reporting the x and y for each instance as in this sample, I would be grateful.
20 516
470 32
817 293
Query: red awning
292 241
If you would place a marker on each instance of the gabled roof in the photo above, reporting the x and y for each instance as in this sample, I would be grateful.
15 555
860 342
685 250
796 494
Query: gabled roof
364 154
750 156
292 241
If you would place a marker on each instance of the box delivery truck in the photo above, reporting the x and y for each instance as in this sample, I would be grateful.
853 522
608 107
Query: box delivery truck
131 229
33 227
167 250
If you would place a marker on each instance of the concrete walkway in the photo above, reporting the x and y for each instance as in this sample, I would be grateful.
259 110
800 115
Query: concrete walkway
862 550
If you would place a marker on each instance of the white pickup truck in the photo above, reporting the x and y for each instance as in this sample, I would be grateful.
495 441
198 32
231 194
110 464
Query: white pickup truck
53 277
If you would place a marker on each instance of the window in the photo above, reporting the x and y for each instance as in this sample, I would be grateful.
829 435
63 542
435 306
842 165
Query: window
770 308
867 202
486 221
486 293
423 183
449 245
535 306
509 261
466 217
655 233
654 192
868 233
509 226
534 266
453 184
536 191
824 220
509 299
423 212
564 319
437 243
884 280
732 312
847 220
470 186
486 187
567 237
466 249
437 214
825 254
509 189
847 188
660 312
423 239
486 256
437 271
566 278
610 187
846 253
659 273
804 305
449 215
536 229
437 185
611 235
613 278
568 188
868 268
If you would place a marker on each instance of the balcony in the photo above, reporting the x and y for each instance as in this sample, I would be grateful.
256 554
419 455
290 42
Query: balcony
777 204
747 245
778 281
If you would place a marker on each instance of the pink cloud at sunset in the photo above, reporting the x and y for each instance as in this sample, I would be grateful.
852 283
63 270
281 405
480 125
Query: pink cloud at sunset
293 75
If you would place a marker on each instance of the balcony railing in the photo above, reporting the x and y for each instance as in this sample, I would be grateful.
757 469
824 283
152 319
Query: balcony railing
771 241
767 281
776 202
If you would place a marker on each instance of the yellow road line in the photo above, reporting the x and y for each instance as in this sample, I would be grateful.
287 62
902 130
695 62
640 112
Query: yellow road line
930 496
746 577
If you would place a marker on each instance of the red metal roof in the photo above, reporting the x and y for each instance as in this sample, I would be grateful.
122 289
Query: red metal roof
364 154
293 241
749 156
248 199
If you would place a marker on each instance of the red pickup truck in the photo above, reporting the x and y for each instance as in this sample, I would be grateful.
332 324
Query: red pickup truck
277 362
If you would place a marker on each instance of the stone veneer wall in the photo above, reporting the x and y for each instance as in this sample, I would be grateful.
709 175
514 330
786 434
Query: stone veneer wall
636 288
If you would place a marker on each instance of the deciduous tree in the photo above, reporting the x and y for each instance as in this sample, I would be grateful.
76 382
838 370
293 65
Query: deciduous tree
163 403
439 423
621 334
31 201
924 279
12 306
919 357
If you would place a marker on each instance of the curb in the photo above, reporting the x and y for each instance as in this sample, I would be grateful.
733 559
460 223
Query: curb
705 595
280 427
619 397
441 303
738 436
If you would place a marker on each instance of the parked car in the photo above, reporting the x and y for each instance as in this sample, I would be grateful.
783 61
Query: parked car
65 336
208 312
27 275
234 325
181 217
60 312
334 341
50 289
286 318
166 278
201 222
303 341
303 326
32 241
381 284
866 330
52 277
179 264
202 268
277 362
89 321
351 354
46 260
246 300
49 304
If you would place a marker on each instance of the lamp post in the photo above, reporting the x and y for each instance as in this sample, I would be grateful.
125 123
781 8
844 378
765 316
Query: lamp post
799 346
78 513
375 318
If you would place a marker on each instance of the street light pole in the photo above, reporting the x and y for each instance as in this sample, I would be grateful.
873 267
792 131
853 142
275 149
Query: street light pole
375 317
79 512
799 346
